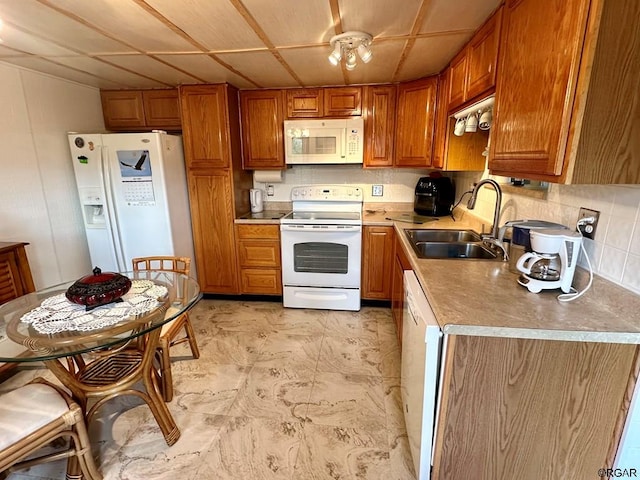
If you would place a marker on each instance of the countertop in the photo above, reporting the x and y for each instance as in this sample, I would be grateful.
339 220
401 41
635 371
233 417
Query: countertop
483 298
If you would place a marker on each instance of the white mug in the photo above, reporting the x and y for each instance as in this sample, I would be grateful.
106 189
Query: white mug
472 123
486 119
459 128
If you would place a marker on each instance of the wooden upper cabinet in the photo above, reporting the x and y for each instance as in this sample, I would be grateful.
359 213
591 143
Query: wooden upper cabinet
262 123
482 57
342 102
441 121
133 110
415 122
305 103
205 120
162 108
473 70
379 125
567 93
458 80
122 109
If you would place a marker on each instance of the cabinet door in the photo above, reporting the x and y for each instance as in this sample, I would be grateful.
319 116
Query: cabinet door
539 58
262 123
482 57
377 262
458 80
379 125
342 101
416 118
210 196
442 121
205 119
162 108
305 103
122 109
400 264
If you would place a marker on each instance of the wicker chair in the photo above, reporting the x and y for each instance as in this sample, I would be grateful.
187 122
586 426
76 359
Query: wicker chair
33 416
171 330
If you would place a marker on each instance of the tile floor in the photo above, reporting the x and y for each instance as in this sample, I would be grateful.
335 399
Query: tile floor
276 394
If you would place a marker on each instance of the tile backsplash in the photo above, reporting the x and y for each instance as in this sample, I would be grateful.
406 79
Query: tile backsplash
614 253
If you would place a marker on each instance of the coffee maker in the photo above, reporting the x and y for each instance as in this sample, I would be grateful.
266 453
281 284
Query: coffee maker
552 262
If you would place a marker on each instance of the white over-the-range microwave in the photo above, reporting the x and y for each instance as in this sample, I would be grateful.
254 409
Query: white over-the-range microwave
330 141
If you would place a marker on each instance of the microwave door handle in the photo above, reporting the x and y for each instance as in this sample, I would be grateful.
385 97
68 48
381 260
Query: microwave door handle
343 144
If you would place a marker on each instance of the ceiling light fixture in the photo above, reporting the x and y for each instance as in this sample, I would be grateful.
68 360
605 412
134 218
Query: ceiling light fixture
347 44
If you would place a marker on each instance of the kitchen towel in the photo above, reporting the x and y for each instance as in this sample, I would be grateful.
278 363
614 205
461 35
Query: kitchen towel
267 176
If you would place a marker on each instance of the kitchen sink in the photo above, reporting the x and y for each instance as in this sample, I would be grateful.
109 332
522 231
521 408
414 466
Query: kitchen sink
443 236
453 250
450 244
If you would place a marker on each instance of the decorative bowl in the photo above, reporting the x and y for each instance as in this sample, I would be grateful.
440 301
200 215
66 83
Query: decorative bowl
98 289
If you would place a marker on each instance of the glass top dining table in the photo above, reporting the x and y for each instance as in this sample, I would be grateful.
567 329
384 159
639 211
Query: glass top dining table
26 335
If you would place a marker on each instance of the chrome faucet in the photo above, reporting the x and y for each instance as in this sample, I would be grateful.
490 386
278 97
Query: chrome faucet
493 238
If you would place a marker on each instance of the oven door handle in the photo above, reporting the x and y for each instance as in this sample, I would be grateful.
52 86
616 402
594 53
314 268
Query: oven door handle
320 228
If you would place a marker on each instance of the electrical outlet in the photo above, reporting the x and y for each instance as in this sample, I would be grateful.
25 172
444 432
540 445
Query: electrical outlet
376 190
270 191
588 230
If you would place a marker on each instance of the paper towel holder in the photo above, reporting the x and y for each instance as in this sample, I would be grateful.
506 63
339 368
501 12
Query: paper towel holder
267 176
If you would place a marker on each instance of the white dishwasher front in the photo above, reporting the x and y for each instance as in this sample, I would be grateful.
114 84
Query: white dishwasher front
421 349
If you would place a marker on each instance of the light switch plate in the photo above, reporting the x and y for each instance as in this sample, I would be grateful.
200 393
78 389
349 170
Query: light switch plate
376 190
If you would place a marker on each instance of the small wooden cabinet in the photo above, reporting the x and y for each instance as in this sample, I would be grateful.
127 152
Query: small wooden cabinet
379 125
400 264
218 187
259 258
415 123
130 110
473 70
567 93
262 123
15 274
329 102
377 262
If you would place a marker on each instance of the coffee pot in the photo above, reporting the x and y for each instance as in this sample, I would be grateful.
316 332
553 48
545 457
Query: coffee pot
552 262
256 196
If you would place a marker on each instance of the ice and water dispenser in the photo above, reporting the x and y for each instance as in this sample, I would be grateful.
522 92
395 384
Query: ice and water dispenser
93 211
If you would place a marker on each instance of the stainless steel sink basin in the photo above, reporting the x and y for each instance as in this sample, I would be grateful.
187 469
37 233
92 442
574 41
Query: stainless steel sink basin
440 243
416 235
453 250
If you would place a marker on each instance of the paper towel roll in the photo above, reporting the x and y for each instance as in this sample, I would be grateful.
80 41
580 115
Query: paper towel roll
267 176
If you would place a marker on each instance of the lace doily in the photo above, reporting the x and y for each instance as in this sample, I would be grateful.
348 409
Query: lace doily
57 314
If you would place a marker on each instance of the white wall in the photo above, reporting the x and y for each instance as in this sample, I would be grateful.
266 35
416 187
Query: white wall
38 198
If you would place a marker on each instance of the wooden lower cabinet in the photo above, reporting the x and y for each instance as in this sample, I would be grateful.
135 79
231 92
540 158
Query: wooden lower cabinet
531 409
400 264
377 262
259 259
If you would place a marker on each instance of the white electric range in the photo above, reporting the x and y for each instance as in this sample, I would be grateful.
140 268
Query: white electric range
321 246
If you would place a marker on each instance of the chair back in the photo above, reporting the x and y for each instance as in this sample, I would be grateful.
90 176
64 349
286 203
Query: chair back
163 263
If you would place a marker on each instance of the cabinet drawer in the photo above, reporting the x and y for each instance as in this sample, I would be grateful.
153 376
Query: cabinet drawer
259 253
262 232
264 281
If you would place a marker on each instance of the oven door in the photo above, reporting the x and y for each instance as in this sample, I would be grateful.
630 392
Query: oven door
321 255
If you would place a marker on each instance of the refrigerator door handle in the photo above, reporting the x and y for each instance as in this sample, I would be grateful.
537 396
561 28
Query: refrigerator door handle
114 229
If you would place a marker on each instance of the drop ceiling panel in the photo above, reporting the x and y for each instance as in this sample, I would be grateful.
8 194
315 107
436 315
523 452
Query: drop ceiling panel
445 15
108 72
14 38
215 24
260 65
312 66
381 67
204 67
379 17
129 22
61 71
291 22
49 24
151 68
430 55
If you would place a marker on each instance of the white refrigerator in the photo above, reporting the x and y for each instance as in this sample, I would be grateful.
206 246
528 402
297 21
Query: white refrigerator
134 197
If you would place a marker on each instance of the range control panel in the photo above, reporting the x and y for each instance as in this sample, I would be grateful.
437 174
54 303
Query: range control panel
337 193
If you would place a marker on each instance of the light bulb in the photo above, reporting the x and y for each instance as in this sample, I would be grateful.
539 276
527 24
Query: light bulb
336 55
365 53
350 64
